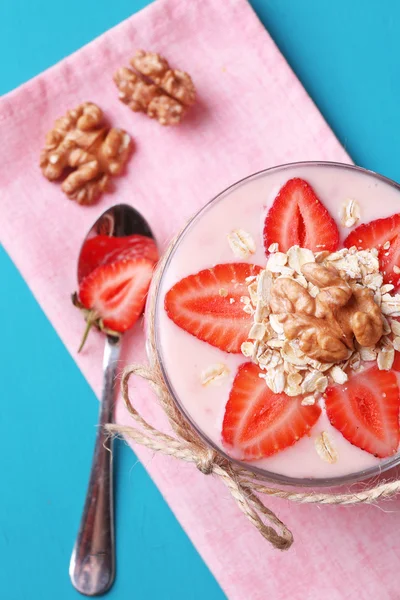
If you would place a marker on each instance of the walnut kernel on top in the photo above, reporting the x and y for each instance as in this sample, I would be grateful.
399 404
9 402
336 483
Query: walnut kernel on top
152 87
317 315
81 141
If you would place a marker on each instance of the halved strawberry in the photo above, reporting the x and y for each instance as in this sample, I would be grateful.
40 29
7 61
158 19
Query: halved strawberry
366 411
208 306
114 294
103 249
259 423
374 235
297 217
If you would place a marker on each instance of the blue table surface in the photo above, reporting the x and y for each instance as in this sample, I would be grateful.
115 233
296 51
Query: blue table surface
346 55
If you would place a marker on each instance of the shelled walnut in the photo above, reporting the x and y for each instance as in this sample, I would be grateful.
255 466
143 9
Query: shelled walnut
81 141
154 88
327 324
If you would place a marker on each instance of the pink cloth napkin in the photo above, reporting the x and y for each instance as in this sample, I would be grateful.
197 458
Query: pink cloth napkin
252 113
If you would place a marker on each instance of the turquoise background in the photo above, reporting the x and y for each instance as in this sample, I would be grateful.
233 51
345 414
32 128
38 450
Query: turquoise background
346 55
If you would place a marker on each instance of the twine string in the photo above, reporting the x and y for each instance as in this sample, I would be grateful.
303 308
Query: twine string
207 461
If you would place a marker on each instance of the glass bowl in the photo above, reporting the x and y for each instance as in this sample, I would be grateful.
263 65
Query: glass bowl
316 482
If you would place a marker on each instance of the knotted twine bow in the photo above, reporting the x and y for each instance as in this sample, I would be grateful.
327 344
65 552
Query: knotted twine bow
187 445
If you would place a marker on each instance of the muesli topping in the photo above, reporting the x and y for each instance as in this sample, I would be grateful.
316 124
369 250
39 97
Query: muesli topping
317 314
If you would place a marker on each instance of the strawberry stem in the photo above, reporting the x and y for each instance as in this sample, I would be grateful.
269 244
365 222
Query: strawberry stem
90 321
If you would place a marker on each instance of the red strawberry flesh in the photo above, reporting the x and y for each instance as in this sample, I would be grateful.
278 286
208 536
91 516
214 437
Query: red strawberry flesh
134 246
207 305
104 249
298 217
117 292
396 362
366 411
259 423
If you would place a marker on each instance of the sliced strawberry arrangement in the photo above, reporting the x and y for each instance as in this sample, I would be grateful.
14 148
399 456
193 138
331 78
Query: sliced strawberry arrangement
297 217
104 249
259 423
366 411
208 306
374 235
113 295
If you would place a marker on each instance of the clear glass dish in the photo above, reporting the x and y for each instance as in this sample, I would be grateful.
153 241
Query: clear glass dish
316 482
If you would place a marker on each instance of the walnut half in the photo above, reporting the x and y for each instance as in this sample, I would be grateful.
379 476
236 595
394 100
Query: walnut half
326 325
80 141
152 87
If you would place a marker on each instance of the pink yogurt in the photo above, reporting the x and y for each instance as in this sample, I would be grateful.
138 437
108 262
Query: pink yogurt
203 245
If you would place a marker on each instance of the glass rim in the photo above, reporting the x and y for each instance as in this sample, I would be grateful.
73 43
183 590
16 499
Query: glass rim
277 478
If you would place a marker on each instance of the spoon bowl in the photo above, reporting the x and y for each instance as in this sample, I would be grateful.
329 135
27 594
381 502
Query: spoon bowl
119 221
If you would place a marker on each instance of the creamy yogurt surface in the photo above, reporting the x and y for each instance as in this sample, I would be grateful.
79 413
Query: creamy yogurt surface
204 245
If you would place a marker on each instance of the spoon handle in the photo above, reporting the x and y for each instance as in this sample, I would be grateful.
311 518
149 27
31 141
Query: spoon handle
92 566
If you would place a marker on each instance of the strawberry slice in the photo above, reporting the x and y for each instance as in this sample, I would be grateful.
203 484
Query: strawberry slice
103 249
374 235
117 291
259 423
207 305
93 252
366 411
134 246
297 217
113 295
396 362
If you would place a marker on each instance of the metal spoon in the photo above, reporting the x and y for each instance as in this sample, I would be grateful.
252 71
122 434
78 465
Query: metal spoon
92 566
